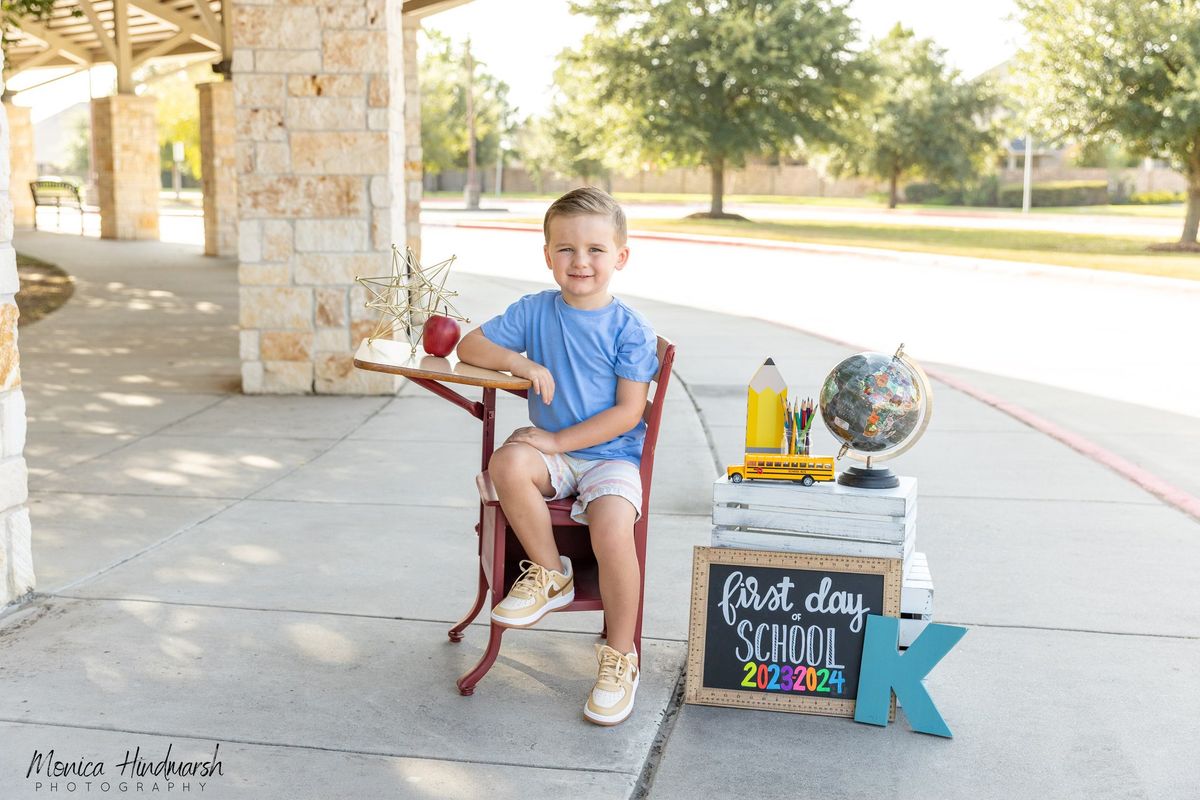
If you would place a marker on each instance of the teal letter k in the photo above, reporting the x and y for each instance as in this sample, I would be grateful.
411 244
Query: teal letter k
885 670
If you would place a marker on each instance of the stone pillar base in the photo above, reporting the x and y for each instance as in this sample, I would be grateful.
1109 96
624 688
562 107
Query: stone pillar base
23 164
218 157
125 141
414 170
16 555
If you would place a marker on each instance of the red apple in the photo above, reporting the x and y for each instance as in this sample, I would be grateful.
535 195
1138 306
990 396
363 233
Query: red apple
441 335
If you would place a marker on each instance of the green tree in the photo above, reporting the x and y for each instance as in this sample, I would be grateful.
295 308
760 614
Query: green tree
535 148
79 149
711 82
922 118
1125 72
1107 155
177 110
11 11
580 135
444 108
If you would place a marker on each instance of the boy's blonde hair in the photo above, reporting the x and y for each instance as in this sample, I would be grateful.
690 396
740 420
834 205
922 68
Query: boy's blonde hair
588 200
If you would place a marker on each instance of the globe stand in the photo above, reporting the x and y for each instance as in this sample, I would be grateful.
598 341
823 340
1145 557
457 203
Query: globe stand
860 393
869 478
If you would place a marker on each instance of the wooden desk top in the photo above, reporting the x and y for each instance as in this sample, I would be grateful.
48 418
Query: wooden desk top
385 355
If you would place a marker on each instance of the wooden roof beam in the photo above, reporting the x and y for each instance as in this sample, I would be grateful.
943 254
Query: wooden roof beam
37 59
183 22
425 8
106 42
124 60
54 41
161 49
226 32
209 19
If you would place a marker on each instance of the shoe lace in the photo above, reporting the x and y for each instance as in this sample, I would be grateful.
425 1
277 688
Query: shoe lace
531 581
613 667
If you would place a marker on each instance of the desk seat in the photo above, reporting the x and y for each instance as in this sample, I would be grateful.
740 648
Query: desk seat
571 538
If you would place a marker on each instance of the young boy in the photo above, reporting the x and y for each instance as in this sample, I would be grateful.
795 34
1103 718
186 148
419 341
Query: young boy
590 359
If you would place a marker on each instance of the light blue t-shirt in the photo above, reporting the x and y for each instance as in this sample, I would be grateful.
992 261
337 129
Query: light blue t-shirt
585 351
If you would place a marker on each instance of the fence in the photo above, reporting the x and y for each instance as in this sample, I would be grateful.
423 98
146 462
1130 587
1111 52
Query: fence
753 179
801 181
1133 179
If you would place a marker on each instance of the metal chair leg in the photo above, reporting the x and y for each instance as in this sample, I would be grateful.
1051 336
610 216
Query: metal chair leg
456 633
466 684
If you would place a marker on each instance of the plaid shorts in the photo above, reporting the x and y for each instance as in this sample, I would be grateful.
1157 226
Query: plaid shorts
592 479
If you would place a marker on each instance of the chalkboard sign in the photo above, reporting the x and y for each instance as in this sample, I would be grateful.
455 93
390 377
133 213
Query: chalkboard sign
783 631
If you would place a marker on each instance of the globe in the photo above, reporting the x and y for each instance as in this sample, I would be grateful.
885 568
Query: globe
877 406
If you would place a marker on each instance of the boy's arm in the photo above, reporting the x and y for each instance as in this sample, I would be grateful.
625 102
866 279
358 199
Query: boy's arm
603 427
477 349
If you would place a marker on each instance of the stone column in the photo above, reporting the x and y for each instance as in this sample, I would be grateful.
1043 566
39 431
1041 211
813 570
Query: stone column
218 168
320 154
414 170
16 554
125 142
22 162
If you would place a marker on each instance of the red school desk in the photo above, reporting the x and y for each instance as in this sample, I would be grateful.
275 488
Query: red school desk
498 544
433 373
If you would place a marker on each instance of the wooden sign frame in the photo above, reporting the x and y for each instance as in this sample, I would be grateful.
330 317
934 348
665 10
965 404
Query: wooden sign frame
694 690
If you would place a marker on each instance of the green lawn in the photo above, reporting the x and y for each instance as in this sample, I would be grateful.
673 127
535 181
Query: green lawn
1165 210
44 288
1116 253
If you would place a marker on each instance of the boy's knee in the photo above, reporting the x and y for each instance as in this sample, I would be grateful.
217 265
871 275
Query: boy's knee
611 517
514 461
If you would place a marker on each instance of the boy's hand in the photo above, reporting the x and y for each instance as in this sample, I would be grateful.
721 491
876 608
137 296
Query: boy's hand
545 441
539 376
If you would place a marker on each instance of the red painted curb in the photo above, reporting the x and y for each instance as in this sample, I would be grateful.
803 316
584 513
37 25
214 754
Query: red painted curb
1164 490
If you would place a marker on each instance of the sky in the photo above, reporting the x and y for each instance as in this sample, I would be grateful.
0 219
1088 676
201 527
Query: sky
975 33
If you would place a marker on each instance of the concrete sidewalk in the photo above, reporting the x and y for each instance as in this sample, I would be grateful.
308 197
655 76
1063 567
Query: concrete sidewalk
276 575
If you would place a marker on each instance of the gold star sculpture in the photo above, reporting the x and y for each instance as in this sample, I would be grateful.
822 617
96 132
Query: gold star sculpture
409 296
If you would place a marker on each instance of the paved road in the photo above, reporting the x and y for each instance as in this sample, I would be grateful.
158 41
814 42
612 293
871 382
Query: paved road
1106 356
1162 228
1115 336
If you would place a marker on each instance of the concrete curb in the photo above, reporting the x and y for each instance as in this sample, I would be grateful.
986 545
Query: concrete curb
1167 492
956 263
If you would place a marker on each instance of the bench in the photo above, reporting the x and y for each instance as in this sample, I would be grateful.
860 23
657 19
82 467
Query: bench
58 193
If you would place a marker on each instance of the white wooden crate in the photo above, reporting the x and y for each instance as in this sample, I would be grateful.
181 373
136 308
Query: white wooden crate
821 496
864 527
789 542
916 600
825 518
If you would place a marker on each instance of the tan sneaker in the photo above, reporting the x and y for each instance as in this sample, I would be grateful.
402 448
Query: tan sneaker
611 700
535 593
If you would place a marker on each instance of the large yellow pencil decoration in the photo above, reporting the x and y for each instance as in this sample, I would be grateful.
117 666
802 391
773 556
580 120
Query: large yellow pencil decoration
766 399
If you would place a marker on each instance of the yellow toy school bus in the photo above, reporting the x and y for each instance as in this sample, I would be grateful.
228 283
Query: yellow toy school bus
779 467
